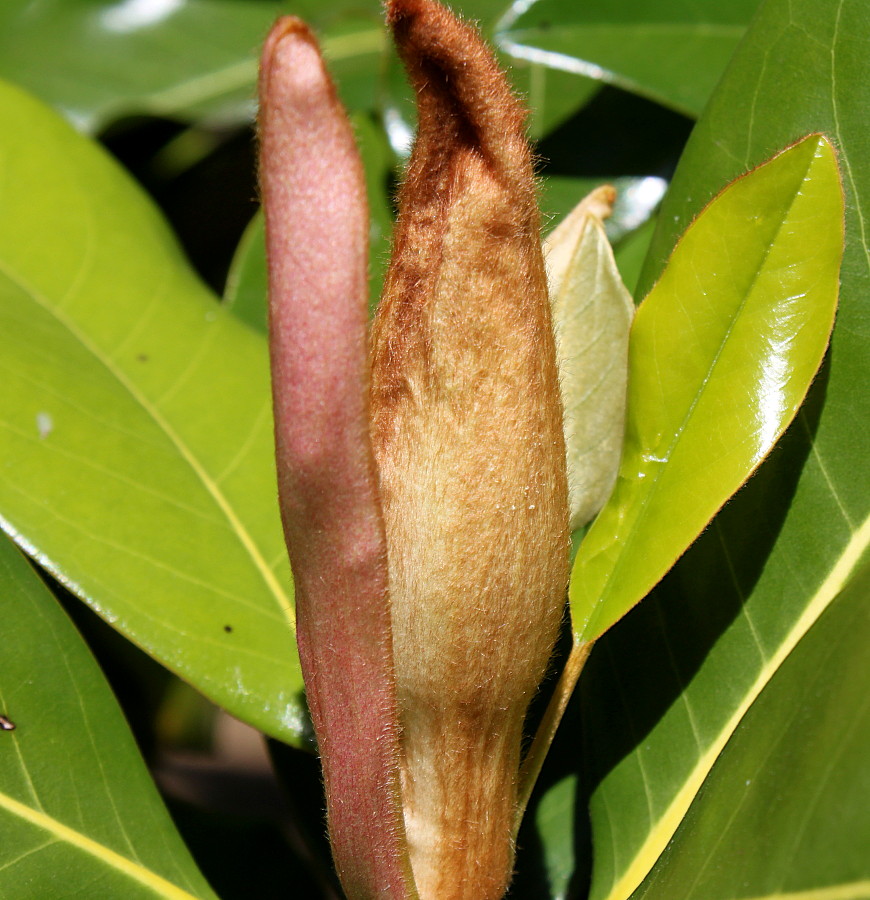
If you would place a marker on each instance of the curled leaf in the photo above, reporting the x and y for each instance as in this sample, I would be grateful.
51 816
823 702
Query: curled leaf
592 313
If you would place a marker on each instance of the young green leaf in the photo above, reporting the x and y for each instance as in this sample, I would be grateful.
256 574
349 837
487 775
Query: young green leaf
722 353
592 313
77 805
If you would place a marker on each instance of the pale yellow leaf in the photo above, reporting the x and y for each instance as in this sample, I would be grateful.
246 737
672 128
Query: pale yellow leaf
592 313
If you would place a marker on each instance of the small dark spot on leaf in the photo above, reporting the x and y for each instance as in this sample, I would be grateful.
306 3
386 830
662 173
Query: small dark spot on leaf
142 357
545 25
6 724
228 628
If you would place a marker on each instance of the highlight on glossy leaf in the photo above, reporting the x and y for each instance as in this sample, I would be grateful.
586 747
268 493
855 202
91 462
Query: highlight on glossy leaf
592 313
722 353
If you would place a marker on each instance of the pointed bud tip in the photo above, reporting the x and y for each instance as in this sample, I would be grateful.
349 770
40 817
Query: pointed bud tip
406 9
457 79
285 28
291 56
428 30
601 201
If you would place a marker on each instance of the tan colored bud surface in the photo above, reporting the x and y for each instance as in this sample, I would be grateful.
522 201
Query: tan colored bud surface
467 431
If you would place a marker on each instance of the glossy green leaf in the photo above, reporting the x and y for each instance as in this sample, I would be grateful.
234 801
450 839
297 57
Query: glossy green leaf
102 59
671 51
592 313
666 688
98 60
77 805
783 813
722 353
135 425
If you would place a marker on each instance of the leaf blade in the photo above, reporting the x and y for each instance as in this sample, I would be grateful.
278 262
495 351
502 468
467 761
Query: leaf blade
808 728
99 62
752 574
673 432
692 649
640 47
73 786
671 818
121 474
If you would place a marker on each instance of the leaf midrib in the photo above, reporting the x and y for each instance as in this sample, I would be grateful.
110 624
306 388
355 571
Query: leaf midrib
666 825
242 74
111 858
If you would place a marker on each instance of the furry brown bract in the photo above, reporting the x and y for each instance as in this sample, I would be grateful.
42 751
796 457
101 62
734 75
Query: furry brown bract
467 432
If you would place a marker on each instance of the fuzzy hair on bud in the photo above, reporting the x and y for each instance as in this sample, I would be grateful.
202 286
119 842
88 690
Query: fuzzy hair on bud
468 440
313 191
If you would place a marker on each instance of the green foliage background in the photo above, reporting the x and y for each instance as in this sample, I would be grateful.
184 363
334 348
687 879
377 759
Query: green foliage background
135 452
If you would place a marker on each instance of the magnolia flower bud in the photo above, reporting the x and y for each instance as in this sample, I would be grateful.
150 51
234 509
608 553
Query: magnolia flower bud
467 430
427 528
316 224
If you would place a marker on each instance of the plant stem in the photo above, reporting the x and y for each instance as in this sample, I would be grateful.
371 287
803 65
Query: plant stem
534 760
